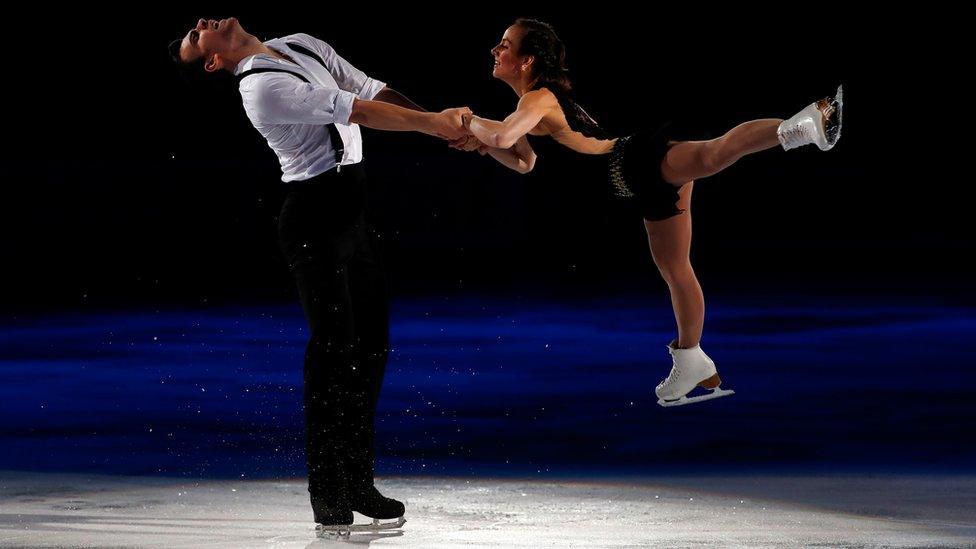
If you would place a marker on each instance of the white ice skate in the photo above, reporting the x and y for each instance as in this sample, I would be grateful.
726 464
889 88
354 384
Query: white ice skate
818 124
344 530
691 368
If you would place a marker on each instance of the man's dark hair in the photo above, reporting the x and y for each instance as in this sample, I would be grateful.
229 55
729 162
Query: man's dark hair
191 71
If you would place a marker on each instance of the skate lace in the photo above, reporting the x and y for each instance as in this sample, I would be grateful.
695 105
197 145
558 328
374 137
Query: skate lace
793 136
672 377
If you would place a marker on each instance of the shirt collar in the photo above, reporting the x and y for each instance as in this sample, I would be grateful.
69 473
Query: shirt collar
248 62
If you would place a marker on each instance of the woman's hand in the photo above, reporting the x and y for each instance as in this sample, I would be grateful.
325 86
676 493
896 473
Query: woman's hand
467 143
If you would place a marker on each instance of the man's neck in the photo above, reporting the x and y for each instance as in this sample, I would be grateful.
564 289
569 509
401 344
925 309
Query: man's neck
252 46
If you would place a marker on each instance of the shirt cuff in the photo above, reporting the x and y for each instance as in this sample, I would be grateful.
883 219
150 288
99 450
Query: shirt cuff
371 88
343 107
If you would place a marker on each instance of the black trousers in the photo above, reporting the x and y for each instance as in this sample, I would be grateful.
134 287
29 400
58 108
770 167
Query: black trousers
332 253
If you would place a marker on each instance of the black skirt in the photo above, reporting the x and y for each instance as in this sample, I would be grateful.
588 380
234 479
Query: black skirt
635 171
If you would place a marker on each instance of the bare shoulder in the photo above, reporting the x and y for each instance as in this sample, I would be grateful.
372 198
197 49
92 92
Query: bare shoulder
541 98
554 120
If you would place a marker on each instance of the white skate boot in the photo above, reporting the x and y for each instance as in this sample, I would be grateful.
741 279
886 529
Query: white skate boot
819 124
691 368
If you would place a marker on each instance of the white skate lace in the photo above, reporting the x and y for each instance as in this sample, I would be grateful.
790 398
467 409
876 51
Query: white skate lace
805 127
794 137
672 377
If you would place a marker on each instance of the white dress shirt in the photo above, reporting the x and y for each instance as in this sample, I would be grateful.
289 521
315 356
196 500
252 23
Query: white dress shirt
292 115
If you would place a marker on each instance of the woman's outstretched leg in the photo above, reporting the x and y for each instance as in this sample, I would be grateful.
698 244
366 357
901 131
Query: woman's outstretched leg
818 124
690 160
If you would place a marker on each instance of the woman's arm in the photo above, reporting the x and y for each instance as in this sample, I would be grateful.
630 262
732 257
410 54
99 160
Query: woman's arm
505 134
519 157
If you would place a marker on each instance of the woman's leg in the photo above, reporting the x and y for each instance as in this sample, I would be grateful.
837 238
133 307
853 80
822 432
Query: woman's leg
819 124
670 243
691 160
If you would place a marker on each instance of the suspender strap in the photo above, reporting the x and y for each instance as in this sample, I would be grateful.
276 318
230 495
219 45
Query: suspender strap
334 136
333 131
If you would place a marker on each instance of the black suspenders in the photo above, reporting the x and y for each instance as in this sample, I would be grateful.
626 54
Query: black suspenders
333 131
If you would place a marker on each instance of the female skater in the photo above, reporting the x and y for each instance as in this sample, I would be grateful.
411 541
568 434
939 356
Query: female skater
658 172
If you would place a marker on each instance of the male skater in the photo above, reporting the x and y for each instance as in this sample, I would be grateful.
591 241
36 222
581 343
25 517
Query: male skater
306 101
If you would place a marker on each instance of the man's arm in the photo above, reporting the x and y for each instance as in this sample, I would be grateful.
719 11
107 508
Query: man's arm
380 115
283 99
347 76
393 97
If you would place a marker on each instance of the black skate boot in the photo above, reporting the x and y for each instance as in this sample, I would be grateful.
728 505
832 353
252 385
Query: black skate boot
371 503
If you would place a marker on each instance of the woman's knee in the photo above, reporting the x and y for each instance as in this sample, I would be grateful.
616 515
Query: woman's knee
676 272
712 156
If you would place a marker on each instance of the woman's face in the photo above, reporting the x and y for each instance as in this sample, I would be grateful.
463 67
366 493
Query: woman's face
508 64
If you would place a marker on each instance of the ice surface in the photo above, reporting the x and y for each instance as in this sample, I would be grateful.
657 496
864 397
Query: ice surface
60 510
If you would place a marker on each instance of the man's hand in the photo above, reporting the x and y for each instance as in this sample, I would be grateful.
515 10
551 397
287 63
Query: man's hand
449 125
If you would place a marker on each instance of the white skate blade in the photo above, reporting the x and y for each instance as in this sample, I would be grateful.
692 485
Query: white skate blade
715 393
327 530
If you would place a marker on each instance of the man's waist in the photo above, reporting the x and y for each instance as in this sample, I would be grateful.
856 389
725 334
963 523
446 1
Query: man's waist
344 172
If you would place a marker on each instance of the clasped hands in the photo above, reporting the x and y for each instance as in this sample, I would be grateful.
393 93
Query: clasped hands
453 125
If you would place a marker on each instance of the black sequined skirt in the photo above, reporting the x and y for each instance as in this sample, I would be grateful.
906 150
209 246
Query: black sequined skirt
635 172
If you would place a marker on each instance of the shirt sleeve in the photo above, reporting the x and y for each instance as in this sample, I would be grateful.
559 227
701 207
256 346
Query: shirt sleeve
275 98
348 77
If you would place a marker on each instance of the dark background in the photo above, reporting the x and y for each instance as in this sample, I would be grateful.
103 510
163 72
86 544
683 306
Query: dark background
149 325
127 185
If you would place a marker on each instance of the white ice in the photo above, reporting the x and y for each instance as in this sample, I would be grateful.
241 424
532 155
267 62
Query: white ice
61 510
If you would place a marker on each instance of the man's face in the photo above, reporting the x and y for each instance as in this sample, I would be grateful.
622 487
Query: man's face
210 41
